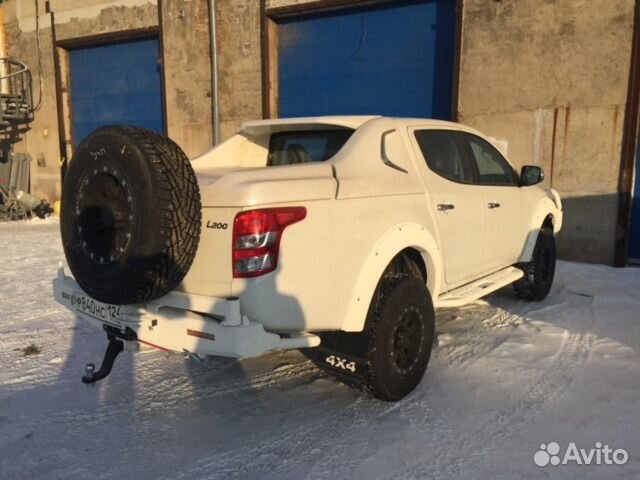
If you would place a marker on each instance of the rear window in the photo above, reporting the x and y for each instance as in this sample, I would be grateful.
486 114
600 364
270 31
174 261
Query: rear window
290 148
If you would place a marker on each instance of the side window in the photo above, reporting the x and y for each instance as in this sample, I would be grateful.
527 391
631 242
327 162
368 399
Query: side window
441 153
492 168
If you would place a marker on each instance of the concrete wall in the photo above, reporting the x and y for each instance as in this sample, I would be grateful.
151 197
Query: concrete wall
187 71
550 77
75 19
239 62
187 67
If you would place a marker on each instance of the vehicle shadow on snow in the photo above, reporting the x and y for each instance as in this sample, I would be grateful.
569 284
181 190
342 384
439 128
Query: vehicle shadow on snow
218 414
156 381
51 414
249 377
88 346
247 416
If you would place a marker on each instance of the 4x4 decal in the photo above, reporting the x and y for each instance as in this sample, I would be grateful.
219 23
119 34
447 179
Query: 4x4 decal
340 362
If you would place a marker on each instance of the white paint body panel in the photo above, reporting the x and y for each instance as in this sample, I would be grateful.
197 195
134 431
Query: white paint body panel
361 213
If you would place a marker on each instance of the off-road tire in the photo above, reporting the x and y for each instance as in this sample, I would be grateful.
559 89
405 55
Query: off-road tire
539 272
387 377
131 215
366 360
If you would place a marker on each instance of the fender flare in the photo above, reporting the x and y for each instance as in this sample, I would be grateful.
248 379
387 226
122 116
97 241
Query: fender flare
548 206
401 237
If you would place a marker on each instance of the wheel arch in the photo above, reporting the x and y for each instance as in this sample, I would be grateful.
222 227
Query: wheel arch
547 214
416 258
549 221
410 240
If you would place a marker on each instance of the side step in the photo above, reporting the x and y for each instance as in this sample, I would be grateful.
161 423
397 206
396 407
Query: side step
479 288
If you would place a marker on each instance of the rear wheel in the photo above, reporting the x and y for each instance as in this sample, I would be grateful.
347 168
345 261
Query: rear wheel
540 271
401 328
388 359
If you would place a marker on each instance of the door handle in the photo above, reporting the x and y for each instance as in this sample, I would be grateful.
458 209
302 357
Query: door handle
442 207
493 205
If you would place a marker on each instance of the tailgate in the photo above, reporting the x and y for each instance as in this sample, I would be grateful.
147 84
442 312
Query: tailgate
210 274
225 192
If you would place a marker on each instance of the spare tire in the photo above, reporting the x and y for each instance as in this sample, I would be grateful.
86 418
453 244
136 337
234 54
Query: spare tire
131 217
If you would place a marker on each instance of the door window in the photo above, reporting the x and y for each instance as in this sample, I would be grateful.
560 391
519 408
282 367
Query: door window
491 166
441 153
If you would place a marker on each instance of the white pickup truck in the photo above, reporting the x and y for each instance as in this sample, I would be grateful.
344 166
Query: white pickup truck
335 235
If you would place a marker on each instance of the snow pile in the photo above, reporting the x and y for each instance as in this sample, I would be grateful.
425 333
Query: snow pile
506 378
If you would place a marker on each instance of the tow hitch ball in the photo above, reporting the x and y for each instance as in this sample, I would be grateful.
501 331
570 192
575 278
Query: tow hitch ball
114 347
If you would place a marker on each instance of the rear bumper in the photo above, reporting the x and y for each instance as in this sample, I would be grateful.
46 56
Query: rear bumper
186 323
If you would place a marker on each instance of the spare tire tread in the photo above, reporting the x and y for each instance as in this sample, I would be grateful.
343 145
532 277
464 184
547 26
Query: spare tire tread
175 184
175 226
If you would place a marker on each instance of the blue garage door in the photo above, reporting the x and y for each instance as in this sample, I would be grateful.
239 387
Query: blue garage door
117 84
634 240
392 60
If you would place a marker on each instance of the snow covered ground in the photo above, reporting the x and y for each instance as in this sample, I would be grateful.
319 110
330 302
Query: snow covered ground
506 377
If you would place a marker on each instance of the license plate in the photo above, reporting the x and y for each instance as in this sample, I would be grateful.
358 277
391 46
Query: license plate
98 310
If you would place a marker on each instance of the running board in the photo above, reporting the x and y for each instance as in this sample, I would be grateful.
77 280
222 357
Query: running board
474 290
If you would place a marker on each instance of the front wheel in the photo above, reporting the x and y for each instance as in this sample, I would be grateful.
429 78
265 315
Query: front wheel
539 272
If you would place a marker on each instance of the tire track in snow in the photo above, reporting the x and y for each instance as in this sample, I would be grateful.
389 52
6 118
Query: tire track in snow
472 343
304 444
478 340
455 452
171 393
572 352
278 454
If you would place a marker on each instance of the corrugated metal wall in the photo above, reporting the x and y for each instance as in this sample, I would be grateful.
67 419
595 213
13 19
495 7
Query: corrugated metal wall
15 173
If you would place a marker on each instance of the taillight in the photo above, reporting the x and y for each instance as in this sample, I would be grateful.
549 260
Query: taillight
256 239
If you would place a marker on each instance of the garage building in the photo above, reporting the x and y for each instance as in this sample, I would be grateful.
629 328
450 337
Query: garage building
555 82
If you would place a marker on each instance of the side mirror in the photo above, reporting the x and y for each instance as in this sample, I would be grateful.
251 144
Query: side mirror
531 175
